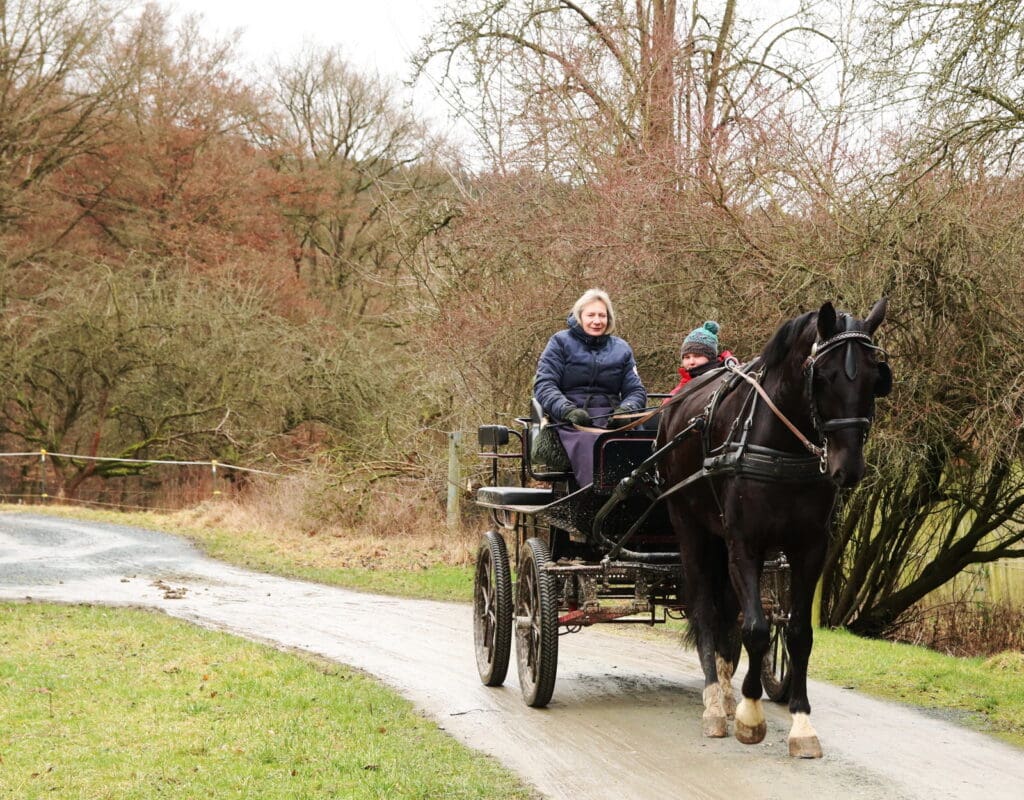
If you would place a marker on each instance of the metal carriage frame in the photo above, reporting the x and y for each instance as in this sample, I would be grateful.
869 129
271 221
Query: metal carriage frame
559 558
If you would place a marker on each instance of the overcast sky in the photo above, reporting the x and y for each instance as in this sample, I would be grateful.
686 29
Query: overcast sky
376 35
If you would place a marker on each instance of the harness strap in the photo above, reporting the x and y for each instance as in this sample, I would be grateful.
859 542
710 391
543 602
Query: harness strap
846 422
807 443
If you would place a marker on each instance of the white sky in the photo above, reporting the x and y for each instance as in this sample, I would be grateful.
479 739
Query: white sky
375 35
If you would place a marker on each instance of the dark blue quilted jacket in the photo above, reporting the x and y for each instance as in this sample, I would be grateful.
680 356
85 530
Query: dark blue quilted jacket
577 369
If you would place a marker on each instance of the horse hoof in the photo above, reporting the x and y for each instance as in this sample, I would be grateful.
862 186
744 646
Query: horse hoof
754 735
715 727
805 747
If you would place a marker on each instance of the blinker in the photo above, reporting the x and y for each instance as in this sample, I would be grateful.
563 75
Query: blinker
850 362
883 385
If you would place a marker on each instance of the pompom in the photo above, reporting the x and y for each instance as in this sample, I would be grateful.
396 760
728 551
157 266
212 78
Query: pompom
712 326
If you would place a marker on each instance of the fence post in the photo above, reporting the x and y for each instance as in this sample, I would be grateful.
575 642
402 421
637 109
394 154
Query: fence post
454 480
42 473
213 470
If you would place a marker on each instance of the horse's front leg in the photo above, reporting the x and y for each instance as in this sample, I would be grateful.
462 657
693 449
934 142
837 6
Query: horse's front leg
745 571
805 571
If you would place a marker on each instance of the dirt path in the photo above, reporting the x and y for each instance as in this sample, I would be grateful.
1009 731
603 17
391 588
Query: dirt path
625 719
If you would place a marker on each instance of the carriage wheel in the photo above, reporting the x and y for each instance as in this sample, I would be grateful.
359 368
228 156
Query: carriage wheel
536 625
775 674
492 609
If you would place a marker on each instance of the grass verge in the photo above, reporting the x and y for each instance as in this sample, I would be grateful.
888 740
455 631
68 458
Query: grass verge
986 694
104 703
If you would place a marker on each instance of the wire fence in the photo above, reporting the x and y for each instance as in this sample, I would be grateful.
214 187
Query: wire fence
36 477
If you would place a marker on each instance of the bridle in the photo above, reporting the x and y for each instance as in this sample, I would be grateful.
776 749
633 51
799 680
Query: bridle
823 427
846 340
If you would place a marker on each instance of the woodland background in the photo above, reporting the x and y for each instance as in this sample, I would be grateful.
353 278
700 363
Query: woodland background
288 270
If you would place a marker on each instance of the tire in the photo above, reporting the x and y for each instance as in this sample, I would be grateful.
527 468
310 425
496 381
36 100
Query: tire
536 625
492 609
775 597
775 672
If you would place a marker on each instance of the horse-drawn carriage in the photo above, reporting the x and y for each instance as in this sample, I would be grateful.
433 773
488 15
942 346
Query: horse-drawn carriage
688 521
573 566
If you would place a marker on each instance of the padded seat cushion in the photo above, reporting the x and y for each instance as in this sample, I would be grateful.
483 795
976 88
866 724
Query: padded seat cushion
513 496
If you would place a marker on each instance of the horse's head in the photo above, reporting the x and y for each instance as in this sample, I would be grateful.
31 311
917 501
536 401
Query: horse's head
843 374
826 372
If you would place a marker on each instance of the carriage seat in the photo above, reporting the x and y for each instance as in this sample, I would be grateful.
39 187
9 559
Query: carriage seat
522 497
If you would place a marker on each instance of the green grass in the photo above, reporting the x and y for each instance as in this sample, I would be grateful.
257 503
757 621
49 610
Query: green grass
985 694
116 703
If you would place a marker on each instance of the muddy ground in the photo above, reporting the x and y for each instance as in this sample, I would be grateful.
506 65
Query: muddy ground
625 719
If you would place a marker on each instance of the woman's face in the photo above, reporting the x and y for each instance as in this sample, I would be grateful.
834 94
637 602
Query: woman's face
594 318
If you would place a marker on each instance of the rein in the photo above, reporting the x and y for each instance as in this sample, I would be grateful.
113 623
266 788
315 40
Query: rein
818 349
811 447
638 417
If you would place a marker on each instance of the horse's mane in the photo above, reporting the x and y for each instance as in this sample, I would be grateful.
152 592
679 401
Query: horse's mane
783 339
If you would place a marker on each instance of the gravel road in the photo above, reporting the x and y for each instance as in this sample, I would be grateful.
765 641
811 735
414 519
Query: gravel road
625 719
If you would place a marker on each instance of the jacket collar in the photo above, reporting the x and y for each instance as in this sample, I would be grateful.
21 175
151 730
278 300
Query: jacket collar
578 333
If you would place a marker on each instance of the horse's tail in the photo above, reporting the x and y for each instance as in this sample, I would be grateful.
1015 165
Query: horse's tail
726 604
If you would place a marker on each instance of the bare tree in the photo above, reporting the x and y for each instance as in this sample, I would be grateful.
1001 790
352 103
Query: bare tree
57 103
957 65
565 86
359 155
145 362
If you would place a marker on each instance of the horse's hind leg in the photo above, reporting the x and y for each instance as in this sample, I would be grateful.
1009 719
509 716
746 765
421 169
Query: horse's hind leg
725 673
727 644
715 720
703 620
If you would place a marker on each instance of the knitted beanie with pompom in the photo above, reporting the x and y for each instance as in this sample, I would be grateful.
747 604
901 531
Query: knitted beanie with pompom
702 341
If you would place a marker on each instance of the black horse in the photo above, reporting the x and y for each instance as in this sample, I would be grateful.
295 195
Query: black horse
781 436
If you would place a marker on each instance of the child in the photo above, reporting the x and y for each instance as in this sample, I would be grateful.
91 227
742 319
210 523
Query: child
699 353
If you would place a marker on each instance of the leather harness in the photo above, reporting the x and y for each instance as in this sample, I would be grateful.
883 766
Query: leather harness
736 457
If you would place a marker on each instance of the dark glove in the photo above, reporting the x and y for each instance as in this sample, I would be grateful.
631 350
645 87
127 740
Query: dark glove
615 421
577 416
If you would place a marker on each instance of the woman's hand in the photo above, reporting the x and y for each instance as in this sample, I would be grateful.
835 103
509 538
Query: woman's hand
577 416
615 421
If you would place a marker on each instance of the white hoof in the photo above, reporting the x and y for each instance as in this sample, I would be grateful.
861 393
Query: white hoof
714 723
803 739
750 724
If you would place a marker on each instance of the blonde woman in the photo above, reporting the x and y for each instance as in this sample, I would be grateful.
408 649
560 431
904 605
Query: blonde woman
586 374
